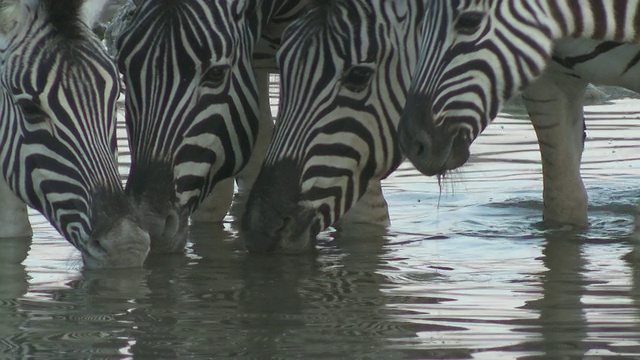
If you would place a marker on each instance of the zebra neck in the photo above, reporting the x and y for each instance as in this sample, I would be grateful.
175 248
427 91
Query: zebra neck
612 20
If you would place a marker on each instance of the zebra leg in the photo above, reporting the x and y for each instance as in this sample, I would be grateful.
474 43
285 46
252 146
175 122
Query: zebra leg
249 173
14 220
370 209
216 205
554 103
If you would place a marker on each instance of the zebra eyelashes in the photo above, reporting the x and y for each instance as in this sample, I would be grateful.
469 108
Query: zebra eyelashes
215 75
357 78
469 22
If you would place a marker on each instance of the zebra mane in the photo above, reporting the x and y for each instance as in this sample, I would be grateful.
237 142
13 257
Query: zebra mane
67 17
320 11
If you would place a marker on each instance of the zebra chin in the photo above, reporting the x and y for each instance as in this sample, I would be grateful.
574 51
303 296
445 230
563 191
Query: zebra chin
433 150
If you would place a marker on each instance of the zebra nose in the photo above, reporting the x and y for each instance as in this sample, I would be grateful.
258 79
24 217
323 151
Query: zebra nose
266 234
413 135
171 225
271 239
460 135
124 245
418 145
284 228
415 143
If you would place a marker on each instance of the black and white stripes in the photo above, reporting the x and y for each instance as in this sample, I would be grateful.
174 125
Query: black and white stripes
192 106
345 70
477 54
58 149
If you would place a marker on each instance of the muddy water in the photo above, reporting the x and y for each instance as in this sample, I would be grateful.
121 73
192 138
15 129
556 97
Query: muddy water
465 271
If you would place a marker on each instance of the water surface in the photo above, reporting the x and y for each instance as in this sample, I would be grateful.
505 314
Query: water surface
465 271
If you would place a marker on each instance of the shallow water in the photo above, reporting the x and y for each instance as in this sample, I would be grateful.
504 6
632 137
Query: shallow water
466 272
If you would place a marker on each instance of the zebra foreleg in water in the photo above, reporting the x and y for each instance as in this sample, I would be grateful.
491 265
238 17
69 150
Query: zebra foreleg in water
476 55
58 96
554 103
345 69
192 105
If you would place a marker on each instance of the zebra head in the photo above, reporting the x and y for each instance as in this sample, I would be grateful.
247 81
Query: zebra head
58 92
475 55
345 69
191 106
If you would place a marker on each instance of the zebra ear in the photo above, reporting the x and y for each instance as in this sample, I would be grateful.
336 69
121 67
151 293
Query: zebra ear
91 10
12 13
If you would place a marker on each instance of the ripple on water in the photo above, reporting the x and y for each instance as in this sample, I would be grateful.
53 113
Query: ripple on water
465 271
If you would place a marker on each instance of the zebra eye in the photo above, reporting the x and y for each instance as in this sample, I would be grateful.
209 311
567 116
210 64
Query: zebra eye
469 22
357 78
31 111
215 76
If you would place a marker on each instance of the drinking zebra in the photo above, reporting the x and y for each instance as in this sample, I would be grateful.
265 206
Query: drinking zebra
58 96
345 70
476 54
197 104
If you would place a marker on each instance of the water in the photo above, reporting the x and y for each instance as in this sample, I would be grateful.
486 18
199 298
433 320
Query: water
465 271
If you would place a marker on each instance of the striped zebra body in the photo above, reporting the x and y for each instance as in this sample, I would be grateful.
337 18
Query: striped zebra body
193 106
476 55
345 69
58 151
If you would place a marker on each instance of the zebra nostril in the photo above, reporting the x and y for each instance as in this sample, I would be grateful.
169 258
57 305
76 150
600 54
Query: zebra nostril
98 246
419 148
284 226
460 135
171 225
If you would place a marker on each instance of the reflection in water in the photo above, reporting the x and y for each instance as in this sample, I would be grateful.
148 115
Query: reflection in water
463 272
562 321
241 304
561 315
13 285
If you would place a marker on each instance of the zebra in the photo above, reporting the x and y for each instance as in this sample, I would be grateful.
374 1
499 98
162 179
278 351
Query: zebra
58 92
197 105
345 71
476 54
